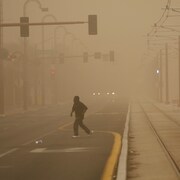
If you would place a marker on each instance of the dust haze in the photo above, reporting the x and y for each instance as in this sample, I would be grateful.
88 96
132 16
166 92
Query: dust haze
122 28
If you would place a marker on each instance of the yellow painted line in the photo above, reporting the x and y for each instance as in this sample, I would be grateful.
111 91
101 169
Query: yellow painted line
65 125
113 158
114 155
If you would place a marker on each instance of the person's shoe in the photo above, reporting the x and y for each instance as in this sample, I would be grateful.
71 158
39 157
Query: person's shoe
75 136
91 132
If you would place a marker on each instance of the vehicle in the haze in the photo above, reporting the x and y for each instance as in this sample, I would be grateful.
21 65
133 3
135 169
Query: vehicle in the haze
108 95
104 93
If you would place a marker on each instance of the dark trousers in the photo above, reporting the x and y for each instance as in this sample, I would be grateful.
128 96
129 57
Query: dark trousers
79 122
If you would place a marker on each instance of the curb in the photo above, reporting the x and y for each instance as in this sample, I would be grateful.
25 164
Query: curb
122 166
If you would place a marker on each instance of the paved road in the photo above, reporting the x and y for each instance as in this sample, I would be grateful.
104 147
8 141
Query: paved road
38 145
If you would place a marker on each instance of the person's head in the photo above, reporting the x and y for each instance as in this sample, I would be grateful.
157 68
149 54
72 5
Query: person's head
76 99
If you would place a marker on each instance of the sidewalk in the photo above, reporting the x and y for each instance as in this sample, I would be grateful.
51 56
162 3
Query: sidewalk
142 157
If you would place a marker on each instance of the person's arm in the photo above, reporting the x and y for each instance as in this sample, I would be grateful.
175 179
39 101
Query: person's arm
84 108
72 111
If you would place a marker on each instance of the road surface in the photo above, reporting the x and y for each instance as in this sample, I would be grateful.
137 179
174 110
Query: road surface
38 145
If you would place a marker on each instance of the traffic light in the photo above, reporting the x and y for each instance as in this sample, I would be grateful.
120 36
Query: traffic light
85 57
92 24
111 56
24 28
61 58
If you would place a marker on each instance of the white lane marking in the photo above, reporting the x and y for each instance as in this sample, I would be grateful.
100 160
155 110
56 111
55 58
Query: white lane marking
38 150
45 150
34 140
8 152
44 135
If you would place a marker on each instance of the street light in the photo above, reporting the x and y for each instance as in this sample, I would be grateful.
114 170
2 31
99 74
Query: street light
25 84
66 33
39 4
55 36
43 49
2 84
61 55
65 36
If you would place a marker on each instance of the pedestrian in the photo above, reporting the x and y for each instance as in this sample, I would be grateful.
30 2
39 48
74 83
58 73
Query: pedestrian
79 108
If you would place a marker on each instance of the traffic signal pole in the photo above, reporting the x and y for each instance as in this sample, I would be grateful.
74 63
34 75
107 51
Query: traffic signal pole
92 30
41 23
25 34
92 24
179 71
2 97
25 77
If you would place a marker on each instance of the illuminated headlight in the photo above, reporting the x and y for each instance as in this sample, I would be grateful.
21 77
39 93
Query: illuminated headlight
38 141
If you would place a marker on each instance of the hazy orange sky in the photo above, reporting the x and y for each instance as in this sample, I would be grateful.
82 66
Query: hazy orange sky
122 26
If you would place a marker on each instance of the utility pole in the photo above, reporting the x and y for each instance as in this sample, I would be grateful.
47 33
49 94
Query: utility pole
1 20
2 98
156 69
161 73
167 74
179 73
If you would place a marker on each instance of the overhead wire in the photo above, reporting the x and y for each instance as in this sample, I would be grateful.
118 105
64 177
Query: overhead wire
154 29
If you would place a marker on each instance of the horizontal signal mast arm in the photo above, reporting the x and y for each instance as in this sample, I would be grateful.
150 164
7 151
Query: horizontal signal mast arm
41 23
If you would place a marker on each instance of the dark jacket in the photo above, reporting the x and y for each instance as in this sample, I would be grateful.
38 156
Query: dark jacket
79 108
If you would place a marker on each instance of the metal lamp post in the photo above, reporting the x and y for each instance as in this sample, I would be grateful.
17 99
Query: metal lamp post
2 99
65 36
55 36
25 92
36 1
42 63
66 33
